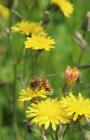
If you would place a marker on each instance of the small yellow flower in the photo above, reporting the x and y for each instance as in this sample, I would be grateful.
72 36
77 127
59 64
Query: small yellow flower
38 42
28 28
76 106
4 12
48 112
29 94
65 6
71 75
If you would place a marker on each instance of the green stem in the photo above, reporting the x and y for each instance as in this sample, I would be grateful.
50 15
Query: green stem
20 55
81 52
80 57
86 66
33 63
52 136
57 133
0 120
61 138
14 81
13 58
25 132
14 92
66 89
35 56
17 14
62 130
81 130
43 135
24 65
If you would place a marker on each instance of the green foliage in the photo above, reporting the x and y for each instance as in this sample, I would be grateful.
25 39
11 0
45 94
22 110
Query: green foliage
50 64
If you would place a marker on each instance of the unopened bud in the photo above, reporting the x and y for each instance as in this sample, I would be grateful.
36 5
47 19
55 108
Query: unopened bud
71 75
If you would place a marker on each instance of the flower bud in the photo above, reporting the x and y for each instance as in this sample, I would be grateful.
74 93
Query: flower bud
71 75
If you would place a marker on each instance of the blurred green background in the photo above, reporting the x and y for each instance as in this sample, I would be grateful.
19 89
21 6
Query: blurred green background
50 64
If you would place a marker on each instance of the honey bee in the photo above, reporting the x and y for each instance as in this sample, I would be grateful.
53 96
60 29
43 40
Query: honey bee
41 83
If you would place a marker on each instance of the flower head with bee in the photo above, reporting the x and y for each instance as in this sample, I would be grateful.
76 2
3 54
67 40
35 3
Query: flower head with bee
39 87
29 94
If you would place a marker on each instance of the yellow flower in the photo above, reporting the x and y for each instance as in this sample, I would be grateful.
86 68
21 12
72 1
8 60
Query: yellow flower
76 106
71 75
4 12
65 6
29 94
38 42
47 113
28 28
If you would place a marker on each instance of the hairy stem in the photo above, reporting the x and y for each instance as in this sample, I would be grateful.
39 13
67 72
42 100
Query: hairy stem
43 135
24 64
14 91
81 52
86 66
80 57
35 56
14 66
